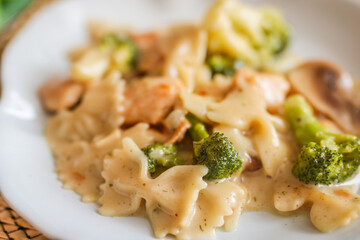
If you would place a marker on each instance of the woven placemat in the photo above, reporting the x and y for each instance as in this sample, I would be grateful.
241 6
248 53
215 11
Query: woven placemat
12 225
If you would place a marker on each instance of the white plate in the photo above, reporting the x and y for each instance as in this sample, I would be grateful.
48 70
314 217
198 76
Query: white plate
322 29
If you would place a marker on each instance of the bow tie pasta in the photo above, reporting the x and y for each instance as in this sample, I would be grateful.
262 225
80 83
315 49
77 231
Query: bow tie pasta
195 124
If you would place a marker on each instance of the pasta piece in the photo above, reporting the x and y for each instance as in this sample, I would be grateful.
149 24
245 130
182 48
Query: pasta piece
246 111
142 135
187 56
79 164
332 212
260 191
91 66
76 53
196 104
219 205
175 193
217 87
100 112
331 207
172 195
240 109
223 35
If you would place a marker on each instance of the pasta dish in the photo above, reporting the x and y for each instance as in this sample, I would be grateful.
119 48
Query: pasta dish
192 125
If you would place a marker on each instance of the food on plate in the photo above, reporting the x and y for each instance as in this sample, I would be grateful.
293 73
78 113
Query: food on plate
218 154
162 156
254 35
331 91
58 95
194 124
325 157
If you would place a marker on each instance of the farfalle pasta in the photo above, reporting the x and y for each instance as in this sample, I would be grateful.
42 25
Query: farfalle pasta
191 126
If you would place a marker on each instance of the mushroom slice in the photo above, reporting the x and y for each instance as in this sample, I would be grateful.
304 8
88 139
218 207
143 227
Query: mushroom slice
331 91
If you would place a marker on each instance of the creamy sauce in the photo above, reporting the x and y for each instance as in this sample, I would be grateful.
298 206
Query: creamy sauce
101 159
260 189
112 171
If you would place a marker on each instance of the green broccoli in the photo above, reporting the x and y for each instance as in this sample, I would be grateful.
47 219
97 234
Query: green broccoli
110 41
325 157
125 54
276 31
162 157
350 151
221 64
218 154
215 151
197 130
318 164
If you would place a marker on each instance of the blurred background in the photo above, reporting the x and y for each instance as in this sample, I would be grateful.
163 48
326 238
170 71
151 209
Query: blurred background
14 14
9 9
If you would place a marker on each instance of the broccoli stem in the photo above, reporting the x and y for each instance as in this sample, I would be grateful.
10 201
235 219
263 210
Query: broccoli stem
197 130
221 64
325 157
305 126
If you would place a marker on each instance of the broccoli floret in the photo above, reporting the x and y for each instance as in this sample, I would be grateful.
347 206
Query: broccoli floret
162 157
318 164
306 127
350 151
325 157
218 154
220 64
277 32
197 130
125 54
215 151
109 40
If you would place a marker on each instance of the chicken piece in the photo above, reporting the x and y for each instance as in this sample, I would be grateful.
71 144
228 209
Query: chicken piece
150 99
179 132
59 95
176 125
145 40
273 87
152 57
